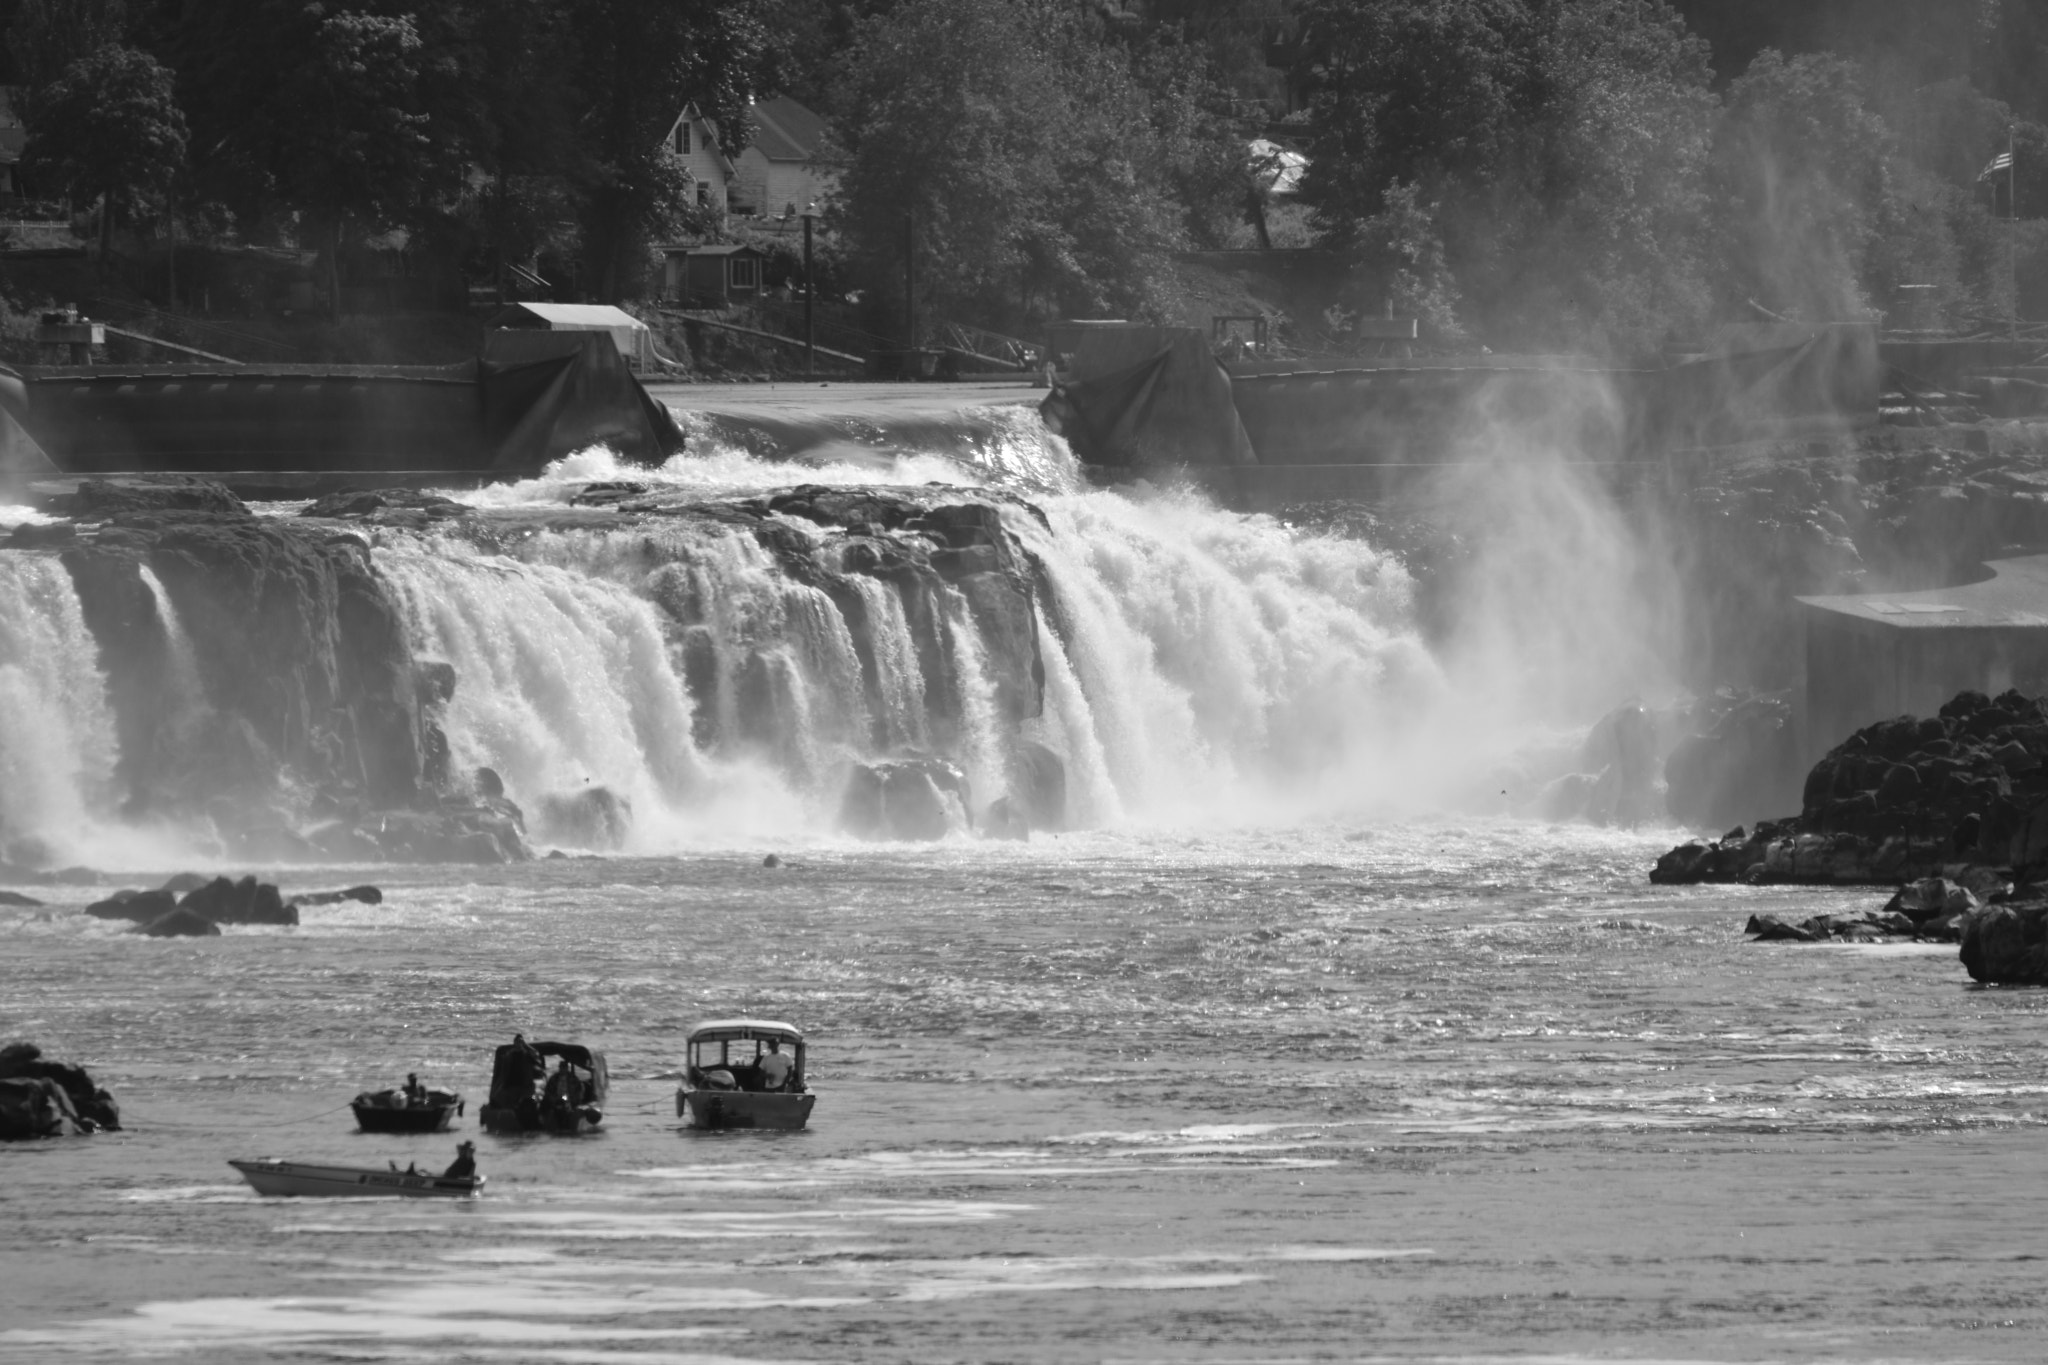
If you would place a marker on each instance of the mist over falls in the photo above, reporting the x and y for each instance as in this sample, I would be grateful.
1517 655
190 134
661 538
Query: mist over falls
440 680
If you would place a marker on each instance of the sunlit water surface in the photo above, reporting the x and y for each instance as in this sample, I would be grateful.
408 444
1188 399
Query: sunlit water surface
1412 1092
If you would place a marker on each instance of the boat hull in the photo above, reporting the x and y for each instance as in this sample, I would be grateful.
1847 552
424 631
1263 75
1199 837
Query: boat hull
502 1118
311 1180
373 1118
718 1110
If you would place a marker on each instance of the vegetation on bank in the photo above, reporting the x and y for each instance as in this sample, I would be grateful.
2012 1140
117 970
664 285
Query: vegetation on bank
1601 174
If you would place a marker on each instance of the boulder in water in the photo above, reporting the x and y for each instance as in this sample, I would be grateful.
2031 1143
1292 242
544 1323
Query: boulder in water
1005 820
140 906
1039 790
368 895
245 902
68 1090
911 799
2007 944
595 817
99 498
16 899
180 923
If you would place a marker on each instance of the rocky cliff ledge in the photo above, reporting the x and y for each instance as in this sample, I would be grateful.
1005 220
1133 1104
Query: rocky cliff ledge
1900 800
1951 809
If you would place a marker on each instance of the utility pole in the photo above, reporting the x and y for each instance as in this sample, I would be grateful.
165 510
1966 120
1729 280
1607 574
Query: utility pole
2012 229
909 283
810 297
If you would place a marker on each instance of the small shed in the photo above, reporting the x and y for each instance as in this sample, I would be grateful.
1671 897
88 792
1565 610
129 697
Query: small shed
712 276
628 333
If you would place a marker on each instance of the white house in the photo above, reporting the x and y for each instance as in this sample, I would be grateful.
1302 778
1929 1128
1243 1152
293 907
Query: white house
694 138
788 164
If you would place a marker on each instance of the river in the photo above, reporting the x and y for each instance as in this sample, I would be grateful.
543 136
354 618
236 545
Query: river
1410 1091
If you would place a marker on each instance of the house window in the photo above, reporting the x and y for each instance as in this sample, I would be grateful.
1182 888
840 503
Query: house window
683 138
745 273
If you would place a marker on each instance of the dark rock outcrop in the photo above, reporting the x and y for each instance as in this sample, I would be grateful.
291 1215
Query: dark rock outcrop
140 906
96 499
368 895
2008 944
595 817
910 799
1902 800
305 681
47 1098
180 923
16 899
247 901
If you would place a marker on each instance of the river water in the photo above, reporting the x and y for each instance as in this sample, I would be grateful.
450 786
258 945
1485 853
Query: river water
1402 1091
1269 1059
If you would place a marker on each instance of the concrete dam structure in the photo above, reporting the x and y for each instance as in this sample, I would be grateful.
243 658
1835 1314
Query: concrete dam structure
528 398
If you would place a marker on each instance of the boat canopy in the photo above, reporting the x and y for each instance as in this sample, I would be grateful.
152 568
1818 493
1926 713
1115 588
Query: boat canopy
728 1030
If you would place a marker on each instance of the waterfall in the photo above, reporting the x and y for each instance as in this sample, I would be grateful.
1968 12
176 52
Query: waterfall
735 661
57 741
184 690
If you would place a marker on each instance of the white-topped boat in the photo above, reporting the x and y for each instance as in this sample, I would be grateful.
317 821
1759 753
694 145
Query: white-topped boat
271 1176
736 1075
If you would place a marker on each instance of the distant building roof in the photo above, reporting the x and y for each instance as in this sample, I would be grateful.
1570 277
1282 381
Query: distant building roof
2016 594
786 131
567 316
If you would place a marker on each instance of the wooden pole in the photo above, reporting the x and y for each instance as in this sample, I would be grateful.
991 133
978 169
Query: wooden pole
909 282
2012 228
810 299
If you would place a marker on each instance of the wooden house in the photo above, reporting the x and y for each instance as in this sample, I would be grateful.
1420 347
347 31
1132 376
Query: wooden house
712 276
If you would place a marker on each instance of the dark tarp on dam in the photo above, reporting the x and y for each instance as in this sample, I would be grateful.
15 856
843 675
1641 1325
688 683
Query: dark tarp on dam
530 397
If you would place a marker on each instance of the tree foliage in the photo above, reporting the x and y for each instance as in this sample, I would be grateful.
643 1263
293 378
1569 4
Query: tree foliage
108 129
1028 164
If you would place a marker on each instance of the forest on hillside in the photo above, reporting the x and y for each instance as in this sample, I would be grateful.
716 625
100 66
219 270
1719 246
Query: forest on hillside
1599 174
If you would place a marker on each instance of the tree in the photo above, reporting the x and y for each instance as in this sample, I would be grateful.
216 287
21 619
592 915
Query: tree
637 62
1539 160
44 37
109 130
1802 175
1012 149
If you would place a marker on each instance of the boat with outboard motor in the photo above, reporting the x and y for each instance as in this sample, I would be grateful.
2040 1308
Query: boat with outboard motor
736 1075
271 1176
395 1111
570 1097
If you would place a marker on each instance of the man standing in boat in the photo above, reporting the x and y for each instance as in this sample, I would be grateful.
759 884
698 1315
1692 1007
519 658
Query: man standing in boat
775 1067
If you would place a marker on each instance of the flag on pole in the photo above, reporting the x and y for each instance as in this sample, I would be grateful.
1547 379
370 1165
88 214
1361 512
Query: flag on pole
2001 162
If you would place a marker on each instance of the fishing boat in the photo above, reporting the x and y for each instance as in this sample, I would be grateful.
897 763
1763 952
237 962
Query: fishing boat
736 1074
570 1098
270 1176
390 1111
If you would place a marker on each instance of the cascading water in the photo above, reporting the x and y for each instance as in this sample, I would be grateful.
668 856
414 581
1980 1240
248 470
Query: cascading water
722 656
57 743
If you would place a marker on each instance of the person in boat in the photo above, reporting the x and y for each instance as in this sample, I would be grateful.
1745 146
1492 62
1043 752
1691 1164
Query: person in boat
464 1163
775 1067
562 1088
415 1093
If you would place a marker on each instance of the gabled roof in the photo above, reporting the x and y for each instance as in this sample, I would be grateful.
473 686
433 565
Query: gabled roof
786 131
692 115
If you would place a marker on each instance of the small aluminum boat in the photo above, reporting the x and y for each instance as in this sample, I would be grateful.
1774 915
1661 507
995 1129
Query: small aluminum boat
736 1075
387 1111
271 1176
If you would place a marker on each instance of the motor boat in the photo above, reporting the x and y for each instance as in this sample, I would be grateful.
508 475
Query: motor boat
271 1176
729 1076
391 1111
570 1097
